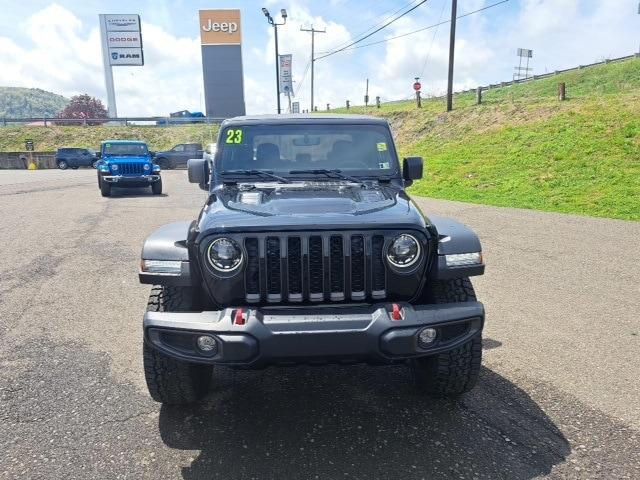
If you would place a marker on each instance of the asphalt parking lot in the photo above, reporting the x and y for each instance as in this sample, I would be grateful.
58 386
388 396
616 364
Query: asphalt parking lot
558 395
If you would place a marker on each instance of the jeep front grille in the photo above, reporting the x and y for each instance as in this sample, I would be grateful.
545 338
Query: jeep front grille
129 169
315 267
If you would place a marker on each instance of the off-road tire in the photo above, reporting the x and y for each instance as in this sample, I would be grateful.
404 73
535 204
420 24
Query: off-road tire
105 188
156 187
454 372
171 381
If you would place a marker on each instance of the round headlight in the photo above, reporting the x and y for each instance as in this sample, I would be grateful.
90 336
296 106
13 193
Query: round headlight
114 167
404 251
146 166
224 254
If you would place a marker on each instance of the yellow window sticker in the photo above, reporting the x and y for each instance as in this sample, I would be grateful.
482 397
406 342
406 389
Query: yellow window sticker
382 147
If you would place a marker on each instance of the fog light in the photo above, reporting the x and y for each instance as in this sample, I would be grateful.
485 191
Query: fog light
426 337
207 344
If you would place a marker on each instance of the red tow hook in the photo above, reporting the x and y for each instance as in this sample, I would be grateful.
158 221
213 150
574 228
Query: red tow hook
239 318
396 314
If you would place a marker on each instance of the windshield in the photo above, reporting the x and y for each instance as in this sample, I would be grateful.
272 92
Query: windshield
137 149
357 150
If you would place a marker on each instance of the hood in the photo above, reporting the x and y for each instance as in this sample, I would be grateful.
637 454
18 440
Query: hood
309 199
309 205
127 159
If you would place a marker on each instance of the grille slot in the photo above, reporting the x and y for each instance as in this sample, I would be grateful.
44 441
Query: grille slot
252 274
316 278
294 259
318 267
357 267
377 267
274 280
130 168
336 263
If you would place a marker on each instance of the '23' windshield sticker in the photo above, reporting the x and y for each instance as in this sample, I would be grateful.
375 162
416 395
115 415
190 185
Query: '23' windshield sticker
234 136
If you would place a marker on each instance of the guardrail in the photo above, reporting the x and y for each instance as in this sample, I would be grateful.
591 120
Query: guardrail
158 121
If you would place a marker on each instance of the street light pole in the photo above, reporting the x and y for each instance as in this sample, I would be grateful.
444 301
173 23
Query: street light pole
274 24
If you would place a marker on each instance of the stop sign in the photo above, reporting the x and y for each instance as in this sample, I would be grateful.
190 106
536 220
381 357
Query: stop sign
417 86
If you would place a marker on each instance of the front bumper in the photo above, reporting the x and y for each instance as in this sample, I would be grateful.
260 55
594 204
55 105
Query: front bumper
289 335
131 180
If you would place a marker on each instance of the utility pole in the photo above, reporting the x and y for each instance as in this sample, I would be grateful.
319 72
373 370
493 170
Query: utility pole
452 47
366 95
313 59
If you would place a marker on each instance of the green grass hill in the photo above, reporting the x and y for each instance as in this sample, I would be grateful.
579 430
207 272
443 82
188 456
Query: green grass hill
16 102
50 138
524 148
520 148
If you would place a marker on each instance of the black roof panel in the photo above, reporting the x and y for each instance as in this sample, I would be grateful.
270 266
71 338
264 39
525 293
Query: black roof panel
292 119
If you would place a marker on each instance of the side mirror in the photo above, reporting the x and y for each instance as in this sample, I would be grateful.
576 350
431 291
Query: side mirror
411 169
198 172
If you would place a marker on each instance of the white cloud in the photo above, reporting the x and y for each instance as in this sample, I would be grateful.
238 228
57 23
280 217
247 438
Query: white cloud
298 43
63 60
62 54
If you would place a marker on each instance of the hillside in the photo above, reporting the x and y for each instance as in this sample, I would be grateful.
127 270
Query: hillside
12 138
18 102
523 148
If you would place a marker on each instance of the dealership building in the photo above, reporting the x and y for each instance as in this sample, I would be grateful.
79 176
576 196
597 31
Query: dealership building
221 43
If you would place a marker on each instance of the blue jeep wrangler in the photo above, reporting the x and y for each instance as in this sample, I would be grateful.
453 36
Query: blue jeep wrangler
127 163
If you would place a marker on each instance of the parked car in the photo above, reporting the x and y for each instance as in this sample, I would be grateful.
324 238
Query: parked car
182 117
308 249
178 155
127 163
75 157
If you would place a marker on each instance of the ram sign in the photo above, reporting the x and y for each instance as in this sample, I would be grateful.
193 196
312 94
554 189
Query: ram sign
221 39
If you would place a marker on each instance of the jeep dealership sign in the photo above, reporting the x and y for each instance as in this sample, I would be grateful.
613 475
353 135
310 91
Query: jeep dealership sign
220 27
221 46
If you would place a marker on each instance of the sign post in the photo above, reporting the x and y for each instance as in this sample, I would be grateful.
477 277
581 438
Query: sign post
121 45
417 86
286 81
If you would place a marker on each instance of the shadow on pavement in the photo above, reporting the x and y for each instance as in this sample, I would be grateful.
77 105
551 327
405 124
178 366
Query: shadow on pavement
123 192
360 422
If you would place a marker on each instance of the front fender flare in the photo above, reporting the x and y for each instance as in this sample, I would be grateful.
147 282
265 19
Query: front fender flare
167 243
454 237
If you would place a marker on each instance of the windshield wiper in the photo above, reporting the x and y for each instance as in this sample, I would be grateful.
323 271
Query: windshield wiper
333 173
260 173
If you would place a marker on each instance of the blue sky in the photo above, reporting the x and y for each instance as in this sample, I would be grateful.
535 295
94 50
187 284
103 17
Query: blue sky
54 46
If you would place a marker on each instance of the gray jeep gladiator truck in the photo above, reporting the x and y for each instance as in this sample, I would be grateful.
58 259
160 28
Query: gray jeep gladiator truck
309 250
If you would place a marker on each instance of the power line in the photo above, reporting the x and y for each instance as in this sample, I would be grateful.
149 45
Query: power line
374 32
384 17
304 75
433 39
420 29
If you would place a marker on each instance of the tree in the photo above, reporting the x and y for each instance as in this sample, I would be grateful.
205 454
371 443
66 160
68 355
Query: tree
83 107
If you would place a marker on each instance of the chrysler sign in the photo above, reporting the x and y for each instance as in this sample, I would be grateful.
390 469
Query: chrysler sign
122 23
